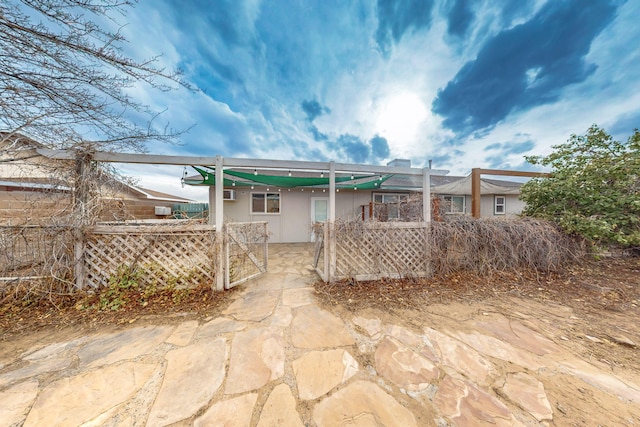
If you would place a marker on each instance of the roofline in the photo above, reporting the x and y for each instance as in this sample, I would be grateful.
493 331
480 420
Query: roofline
102 156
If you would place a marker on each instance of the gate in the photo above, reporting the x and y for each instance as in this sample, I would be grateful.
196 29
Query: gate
245 251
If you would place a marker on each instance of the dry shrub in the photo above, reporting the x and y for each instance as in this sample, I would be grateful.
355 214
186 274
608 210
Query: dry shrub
38 261
460 244
489 245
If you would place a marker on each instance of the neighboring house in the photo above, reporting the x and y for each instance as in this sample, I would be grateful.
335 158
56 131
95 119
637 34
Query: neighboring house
35 189
498 197
292 203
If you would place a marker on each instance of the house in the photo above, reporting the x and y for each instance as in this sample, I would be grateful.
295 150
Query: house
35 189
498 197
291 202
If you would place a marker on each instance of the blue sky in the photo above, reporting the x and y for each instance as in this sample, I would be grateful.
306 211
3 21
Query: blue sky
464 83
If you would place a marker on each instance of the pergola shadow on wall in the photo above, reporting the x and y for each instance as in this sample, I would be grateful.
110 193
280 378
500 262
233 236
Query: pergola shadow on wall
217 167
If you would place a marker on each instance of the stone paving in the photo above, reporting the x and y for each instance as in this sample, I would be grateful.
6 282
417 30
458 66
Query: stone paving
276 358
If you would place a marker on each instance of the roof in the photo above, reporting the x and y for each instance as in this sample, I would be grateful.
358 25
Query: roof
29 171
157 195
487 186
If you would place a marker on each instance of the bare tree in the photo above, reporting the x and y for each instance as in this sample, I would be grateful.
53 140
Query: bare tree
64 77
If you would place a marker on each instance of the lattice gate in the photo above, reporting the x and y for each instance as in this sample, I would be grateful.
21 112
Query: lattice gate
246 251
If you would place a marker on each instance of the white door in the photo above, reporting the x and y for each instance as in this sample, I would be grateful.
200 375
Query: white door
319 211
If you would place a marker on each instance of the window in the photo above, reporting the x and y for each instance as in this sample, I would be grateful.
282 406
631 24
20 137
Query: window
265 203
392 200
455 204
499 205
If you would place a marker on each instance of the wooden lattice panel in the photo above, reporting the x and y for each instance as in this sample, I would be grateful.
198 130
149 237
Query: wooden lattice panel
163 256
382 250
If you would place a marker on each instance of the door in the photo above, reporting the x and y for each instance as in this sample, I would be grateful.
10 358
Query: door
319 212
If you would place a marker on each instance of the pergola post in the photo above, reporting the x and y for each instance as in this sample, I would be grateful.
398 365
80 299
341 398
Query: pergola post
219 223
426 195
81 196
475 192
331 223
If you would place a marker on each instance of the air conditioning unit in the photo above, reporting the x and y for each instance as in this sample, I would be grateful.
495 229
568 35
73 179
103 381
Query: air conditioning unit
229 195
163 210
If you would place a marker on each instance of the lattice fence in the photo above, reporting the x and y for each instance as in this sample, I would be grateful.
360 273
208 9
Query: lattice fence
373 250
35 252
246 251
167 255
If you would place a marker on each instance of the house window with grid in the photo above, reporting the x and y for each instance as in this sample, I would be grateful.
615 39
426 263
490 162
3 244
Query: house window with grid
499 205
392 203
455 204
265 203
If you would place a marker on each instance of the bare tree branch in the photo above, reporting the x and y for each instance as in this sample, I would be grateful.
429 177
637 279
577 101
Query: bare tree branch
63 75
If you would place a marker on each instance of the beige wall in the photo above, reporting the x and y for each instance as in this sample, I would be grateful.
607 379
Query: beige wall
27 207
513 206
293 224
30 207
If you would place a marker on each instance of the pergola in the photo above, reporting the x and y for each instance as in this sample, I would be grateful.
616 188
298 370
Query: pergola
220 166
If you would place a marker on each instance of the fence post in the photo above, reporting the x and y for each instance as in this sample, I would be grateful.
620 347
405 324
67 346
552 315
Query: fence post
219 221
330 242
81 208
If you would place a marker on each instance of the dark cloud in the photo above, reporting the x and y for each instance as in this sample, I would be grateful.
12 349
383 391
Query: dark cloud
494 162
379 147
459 18
524 66
395 17
301 150
514 9
317 135
313 109
354 148
518 147
623 128
445 158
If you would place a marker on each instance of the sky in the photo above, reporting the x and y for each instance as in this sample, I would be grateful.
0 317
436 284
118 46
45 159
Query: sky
462 83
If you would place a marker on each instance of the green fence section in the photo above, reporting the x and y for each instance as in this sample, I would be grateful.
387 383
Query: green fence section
190 210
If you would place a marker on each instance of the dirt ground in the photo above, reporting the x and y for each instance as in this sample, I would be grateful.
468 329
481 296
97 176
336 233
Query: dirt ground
603 294
592 310
592 307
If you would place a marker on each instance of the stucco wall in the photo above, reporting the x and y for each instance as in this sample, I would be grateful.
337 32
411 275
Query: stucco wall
293 224
513 206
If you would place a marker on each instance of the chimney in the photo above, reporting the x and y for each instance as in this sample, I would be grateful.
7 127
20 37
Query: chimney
400 163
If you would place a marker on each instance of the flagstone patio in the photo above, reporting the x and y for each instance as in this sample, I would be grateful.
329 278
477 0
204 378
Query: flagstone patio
277 358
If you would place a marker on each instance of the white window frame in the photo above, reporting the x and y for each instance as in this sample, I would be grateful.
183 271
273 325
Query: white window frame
450 198
400 198
266 197
497 205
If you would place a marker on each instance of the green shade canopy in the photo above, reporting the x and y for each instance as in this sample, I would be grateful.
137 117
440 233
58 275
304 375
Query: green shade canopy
285 181
246 179
366 185
209 178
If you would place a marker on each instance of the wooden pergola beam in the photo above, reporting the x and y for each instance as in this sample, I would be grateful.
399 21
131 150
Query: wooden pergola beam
476 174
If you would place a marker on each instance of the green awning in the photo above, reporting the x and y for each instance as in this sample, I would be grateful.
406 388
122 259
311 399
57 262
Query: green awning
365 185
209 178
246 179
285 181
